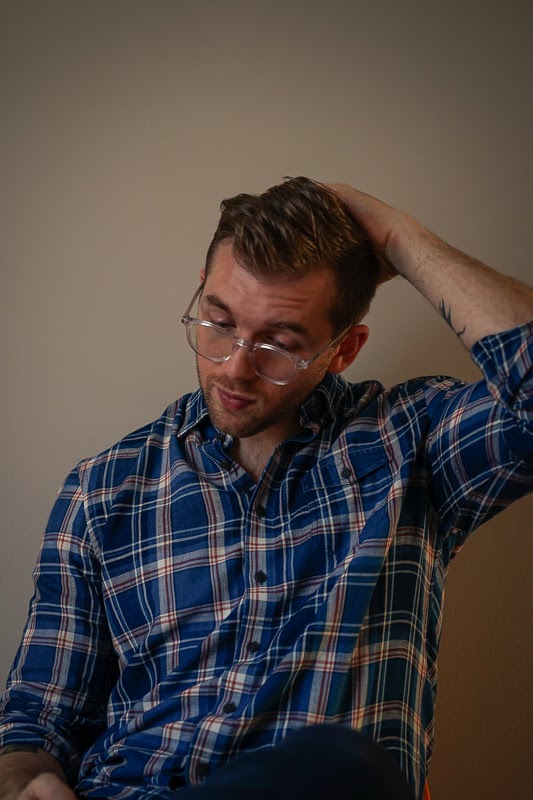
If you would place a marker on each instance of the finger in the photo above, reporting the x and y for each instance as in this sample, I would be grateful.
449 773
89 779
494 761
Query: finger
47 786
355 199
372 214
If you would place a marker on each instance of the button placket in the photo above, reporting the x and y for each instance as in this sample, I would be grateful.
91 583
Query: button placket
256 575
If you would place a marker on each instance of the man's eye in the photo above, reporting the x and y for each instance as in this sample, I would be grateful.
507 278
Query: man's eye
288 348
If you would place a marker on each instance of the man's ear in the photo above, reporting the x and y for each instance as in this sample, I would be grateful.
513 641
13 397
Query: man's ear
348 349
202 275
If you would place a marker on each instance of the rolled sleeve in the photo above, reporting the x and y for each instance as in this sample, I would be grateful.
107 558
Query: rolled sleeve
56 693
481 435
506 361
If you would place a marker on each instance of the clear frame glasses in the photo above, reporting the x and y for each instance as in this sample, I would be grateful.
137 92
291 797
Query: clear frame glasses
269 361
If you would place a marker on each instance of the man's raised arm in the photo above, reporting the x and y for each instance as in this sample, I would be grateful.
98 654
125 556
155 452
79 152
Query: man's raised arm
474 299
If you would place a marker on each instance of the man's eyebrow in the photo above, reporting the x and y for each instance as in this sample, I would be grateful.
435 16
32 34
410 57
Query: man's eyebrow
295 327
213 300
288 325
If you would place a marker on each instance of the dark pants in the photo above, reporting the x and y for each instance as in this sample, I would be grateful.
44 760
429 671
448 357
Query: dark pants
321 762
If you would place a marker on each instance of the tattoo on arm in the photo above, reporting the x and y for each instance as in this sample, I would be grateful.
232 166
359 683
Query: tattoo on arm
446 313
18 748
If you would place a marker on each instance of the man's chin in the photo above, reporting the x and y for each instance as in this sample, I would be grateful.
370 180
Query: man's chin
238 425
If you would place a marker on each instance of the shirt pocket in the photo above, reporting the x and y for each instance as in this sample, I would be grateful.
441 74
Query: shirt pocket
354 476
347 489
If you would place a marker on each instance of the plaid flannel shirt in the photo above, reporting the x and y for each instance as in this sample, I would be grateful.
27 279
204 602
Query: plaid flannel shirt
184 614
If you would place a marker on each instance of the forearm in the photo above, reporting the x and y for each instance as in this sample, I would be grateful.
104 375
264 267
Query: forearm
20 765
474 299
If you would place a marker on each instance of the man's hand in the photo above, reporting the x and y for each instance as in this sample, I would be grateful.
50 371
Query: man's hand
390 230
30 773
472 298
47 786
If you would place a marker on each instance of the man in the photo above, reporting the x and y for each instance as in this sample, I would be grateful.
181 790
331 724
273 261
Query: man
258 574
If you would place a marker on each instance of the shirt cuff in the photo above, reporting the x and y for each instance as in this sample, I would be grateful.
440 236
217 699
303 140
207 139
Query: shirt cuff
506 361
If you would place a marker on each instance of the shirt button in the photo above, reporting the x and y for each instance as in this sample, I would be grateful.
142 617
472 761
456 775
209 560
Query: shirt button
229 708
261 511
254 647
225 464
176 782
346 472
260 576
202 769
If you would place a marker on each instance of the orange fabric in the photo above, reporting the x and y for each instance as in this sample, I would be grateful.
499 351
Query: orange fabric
426 793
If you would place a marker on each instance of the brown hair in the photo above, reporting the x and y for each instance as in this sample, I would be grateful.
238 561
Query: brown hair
295 227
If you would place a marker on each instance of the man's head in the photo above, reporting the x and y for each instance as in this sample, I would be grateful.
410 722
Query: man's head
294 228
289 270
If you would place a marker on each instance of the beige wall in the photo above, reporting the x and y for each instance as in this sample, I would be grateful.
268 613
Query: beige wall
124 123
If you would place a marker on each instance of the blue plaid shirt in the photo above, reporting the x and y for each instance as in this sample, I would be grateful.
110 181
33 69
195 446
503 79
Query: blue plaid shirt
184 614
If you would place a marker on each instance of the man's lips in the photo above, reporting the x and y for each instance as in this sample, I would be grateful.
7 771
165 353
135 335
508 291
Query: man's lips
233 402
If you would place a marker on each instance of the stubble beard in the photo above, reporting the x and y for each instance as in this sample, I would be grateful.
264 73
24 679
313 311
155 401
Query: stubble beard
255 420
238 424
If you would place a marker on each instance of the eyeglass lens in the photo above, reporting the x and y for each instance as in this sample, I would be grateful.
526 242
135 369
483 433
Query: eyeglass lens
213 343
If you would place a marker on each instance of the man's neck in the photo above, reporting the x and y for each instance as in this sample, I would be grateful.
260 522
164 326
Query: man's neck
254 452
253 455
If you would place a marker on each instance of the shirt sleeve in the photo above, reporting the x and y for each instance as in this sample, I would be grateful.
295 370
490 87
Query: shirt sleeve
481 440
58 687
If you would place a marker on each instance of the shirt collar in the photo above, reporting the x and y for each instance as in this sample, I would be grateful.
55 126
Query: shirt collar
195 412
324 403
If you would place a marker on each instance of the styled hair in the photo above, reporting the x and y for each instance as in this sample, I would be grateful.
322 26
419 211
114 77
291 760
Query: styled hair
294 228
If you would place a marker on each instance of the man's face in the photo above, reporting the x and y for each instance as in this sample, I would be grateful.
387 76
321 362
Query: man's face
291 313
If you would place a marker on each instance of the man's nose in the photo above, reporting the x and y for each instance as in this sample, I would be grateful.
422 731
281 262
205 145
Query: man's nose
238 367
